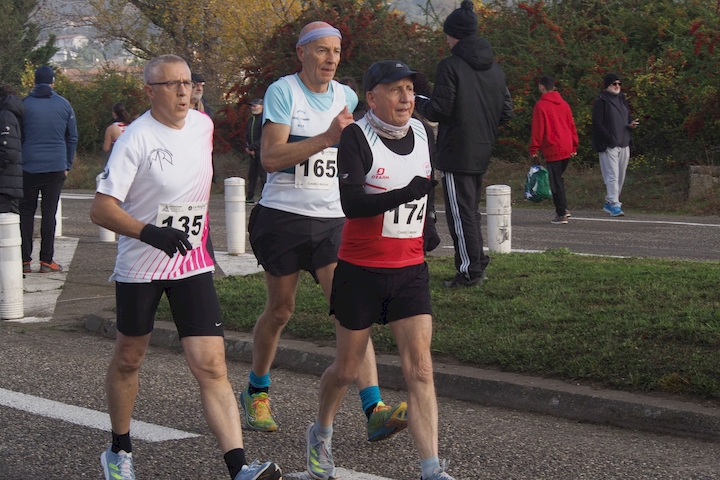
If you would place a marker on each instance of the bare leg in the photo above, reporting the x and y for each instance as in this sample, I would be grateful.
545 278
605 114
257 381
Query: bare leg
121 381
206 358
278 309
367 375
413 336
351 348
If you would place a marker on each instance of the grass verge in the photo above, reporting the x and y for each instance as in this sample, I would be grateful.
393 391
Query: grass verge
635 324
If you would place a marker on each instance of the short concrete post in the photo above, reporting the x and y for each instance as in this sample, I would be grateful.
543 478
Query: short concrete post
106 235
58 219
235 215
11 276
499 207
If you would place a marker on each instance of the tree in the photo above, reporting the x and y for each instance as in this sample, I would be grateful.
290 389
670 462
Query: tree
19 40
213 36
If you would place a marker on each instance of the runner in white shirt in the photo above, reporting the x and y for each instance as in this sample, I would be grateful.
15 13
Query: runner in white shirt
154 192
298 223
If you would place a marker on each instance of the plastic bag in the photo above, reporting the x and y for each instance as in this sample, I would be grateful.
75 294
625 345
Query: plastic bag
537 185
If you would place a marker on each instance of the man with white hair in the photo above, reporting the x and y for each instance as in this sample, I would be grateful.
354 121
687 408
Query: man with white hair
154 192
298 223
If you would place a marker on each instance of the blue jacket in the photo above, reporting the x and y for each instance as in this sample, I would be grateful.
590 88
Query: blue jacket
49 132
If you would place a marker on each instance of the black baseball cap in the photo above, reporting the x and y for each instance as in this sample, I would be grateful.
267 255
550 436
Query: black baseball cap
196 77
256 101
387 71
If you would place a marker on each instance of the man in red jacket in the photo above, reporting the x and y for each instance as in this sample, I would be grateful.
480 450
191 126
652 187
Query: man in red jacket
554 134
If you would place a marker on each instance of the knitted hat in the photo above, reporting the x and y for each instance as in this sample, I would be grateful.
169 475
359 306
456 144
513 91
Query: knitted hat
462 22
44 74
610 78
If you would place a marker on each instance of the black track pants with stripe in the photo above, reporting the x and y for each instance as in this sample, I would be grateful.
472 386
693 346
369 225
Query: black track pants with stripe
462 198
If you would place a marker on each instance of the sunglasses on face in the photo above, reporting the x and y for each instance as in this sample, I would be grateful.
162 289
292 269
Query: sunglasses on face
617 84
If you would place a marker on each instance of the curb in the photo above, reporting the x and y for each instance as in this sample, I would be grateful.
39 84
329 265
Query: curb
486 387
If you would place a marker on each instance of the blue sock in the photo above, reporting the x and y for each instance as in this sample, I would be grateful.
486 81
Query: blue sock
369 397
429 466
259 382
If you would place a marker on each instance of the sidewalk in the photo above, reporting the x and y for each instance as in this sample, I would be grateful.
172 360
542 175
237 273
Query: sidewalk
86 294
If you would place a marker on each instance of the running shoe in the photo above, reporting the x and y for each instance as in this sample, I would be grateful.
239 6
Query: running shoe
26 267
608 208
386 421
258 415
567 213
320 464
259 471
117 466
440 473
51 267
559 219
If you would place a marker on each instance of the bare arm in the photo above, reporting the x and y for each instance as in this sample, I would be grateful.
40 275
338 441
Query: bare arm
277 154
106 212
111 134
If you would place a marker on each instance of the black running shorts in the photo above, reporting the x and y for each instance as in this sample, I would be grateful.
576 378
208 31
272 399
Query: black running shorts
285 243
361 297
193 302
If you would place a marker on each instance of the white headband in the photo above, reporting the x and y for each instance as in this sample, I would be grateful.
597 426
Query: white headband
321 32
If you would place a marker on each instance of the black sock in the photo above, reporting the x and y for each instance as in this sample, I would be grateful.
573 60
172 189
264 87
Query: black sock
253 389
121 442
235 459
369 410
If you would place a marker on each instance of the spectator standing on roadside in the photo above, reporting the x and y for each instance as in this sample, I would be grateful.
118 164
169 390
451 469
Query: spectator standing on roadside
49 142
612 123
470 101
381 277
158 172
298 223
555 135
253 134
11 173
197 100
113 131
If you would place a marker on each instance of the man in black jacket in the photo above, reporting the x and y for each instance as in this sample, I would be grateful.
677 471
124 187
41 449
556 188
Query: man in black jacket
253 133
612 123
470 101
11 174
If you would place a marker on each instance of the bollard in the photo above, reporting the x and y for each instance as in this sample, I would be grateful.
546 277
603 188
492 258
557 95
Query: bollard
498 218
58 219
11 276
105 234
235 215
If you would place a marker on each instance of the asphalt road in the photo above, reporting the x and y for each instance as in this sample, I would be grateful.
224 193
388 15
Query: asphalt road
59 361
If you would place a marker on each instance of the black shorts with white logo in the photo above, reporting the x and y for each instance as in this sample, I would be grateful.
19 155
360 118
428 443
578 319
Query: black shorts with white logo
193 302
285 243
362 296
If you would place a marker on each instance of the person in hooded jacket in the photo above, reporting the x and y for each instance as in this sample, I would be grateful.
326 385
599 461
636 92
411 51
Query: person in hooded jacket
555 135
470 101
11 174
49 142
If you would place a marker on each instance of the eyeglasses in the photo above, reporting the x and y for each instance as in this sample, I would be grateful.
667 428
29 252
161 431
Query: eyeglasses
198 84
173 84
617 84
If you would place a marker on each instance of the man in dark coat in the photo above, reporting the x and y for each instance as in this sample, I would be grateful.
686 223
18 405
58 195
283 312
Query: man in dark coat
470 101
11 174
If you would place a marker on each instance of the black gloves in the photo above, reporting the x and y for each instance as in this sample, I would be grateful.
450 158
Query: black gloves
419 187
430 236
167 239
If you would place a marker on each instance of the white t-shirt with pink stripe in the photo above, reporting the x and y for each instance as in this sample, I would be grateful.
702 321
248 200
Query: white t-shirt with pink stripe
162 176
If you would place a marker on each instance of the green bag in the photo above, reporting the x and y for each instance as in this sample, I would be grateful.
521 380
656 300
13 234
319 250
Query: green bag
537 185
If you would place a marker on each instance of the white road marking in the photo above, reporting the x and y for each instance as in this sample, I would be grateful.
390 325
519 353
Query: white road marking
86 417
78 196
627 220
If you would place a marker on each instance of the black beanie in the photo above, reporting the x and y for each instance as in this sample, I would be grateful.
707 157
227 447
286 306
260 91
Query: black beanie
462 22
609 79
